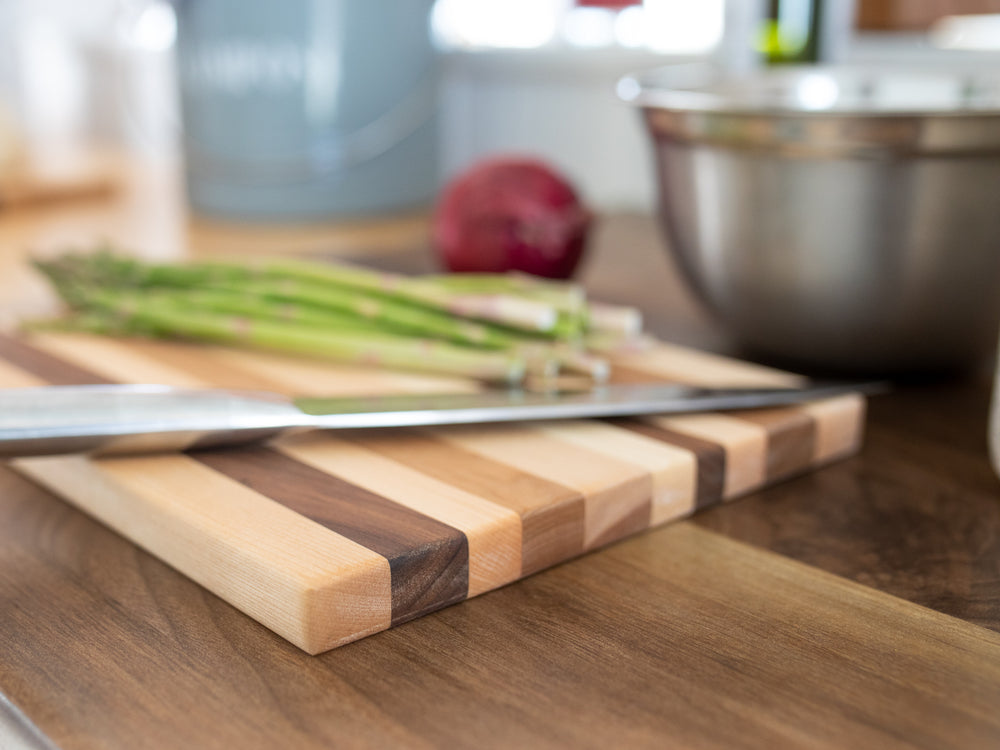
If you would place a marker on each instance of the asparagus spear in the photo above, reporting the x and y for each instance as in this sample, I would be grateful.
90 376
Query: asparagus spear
284 304
396 315
237 303
519 314
614 319
562 295
542 359
400 301
143 314
566 299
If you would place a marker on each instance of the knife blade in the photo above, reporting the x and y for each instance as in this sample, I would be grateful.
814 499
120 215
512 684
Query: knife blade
112 419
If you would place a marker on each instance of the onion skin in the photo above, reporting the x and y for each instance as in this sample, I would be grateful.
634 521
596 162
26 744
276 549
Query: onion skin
511 214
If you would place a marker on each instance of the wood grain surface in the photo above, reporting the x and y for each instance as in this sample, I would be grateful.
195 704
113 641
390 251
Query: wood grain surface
709 633
443 537
726 647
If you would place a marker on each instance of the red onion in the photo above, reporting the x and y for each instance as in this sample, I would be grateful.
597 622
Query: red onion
511 214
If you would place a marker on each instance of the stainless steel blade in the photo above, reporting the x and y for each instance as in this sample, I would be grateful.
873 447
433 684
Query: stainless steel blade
141 418
518 405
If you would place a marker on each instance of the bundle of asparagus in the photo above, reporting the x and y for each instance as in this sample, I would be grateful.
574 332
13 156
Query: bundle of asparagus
492 327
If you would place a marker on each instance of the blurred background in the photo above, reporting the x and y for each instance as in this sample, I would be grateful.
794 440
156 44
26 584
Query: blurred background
533 76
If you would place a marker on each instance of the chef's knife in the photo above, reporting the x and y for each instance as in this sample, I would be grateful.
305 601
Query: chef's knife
140 418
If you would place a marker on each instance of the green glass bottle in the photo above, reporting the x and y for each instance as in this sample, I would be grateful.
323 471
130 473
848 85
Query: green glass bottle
791 32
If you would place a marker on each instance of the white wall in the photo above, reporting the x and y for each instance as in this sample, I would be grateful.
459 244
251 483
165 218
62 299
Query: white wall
560 106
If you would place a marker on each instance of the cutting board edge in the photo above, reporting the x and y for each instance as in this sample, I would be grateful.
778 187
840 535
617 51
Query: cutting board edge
316 615
307 611
318 606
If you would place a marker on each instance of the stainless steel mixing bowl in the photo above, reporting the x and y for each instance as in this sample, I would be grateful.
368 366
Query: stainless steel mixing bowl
839 219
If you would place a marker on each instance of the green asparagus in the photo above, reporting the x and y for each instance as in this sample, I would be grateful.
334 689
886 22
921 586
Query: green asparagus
489 326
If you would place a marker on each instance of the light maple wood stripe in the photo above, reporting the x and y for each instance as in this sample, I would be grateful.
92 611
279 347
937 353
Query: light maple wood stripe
113 359
552 515
617 495
693 366
836 423
791 439
206 363
312 586
428 560
745 444
493 532
673 469
15 377
710 458
839 425
53 370
710 463
300 376
620 374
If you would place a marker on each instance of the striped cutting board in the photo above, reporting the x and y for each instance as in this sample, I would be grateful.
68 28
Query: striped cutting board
327 538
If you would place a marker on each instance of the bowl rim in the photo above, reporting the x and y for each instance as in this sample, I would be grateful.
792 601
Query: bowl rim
685 92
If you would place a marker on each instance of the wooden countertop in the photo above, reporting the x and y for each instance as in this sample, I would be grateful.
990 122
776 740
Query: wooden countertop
858 606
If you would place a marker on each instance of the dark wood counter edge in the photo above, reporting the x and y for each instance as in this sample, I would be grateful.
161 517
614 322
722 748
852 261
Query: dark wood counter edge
788 616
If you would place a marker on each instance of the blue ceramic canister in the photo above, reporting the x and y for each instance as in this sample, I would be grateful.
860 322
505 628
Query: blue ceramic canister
307 109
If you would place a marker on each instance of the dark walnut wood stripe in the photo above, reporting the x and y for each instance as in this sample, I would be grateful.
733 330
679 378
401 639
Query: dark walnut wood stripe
791 439
710 458
428 560
43 365
552 515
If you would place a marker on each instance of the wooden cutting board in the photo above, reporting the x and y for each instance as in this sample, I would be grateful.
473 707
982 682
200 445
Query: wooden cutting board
327 538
